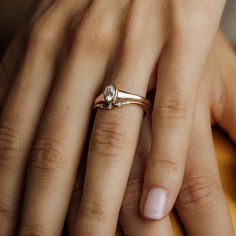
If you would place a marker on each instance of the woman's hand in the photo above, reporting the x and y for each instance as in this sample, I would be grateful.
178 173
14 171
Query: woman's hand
200 204
73 46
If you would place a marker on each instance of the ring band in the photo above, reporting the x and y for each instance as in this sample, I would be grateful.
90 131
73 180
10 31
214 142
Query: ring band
112 98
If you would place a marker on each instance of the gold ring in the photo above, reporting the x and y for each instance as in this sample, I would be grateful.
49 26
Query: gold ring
112 98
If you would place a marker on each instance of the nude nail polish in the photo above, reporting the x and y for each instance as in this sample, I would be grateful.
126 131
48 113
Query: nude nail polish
155 205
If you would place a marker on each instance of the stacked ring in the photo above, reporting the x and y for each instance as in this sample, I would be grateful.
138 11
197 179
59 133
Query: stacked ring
112 98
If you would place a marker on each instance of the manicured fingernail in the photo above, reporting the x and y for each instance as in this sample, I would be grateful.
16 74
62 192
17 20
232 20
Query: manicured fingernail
155 205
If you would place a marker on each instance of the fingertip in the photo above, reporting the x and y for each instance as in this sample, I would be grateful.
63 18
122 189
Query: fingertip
154 206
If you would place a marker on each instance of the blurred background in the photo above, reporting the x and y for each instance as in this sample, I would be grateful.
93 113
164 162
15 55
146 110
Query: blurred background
228 24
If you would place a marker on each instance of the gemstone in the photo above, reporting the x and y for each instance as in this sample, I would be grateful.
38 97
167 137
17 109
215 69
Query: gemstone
109 92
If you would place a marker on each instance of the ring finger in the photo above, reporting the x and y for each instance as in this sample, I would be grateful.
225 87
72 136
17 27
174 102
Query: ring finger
115 133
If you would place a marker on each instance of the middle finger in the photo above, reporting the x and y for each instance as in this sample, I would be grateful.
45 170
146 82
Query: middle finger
61 138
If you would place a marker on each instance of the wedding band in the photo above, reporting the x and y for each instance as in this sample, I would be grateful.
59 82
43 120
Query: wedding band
112 98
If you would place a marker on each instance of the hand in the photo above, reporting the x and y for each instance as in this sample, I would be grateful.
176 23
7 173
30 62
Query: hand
180 45
200 204
79 68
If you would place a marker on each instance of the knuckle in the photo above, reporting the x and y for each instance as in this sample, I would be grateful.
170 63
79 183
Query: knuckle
11 144
42 34
49 155
198 192
7 222
5 214
28 230
108 139
198 16
94 32
91 210
172 109
164 160
206 6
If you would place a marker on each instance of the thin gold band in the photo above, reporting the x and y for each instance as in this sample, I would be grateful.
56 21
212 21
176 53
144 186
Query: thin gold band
113 98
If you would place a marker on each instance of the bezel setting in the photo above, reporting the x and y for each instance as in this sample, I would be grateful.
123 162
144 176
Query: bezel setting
110 93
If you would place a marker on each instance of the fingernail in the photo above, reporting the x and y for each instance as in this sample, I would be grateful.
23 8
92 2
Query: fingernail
155 205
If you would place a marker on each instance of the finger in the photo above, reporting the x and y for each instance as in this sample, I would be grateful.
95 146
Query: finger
22 110
115 133
60 141
15 51
78 188
130 219
75 198
201 203
179 73
224 97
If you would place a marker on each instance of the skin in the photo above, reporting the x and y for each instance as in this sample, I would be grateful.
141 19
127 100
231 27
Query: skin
201 195
40 134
